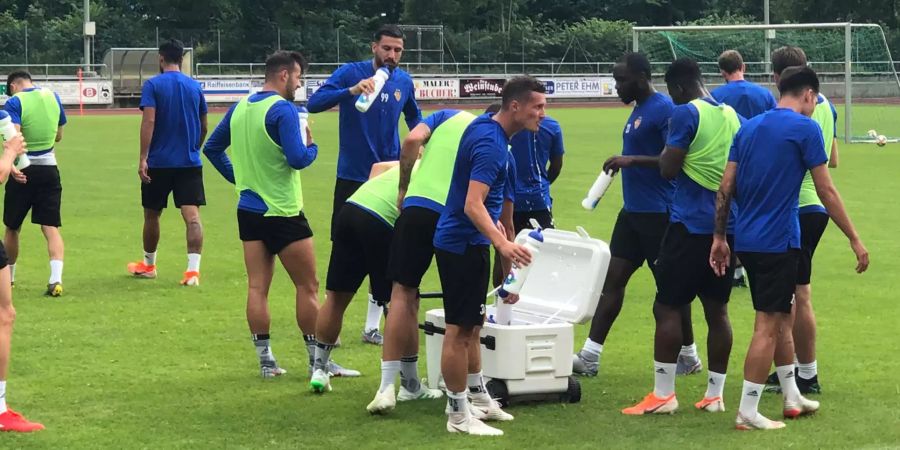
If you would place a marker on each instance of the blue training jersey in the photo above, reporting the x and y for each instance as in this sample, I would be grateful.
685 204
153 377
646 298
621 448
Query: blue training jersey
773 152
178 101
483 157
643 188
748 99
532 152
369 137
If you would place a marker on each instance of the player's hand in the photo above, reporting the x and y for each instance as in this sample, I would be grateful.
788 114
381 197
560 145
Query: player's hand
18 176
366 86
142 171
15 145
614 163
515 253
862 255
511 299
309 138
719 255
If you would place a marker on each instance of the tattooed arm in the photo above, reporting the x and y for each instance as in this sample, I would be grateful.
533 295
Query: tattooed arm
720 253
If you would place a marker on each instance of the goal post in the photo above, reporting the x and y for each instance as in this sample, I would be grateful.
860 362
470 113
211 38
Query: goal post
853 61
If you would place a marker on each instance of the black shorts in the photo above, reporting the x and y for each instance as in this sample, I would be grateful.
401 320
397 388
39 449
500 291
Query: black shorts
521 220
41 194
683 271
185 184
636 237
812 227
275 232
464 281
361 246
4 260
343 189
773 279
413 245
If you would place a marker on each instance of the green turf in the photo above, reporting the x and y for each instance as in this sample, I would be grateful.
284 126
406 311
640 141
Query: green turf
119 362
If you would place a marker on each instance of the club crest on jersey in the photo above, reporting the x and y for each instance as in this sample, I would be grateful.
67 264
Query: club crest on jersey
637 122
397 94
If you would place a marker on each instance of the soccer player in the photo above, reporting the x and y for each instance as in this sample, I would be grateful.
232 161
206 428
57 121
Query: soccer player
9 419
767 163
748 99
360 247
813 220
644 216
39 115
267 155
700 135
484 170
539 161
370 137
421 200
173 128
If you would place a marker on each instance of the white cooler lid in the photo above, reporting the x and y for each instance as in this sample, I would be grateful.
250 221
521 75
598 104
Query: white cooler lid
567 276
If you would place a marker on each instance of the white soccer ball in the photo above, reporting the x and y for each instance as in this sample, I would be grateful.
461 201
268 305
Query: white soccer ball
881 140
872 134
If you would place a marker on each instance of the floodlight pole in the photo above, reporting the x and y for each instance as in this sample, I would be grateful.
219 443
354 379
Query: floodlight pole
766 37
848 82
87 38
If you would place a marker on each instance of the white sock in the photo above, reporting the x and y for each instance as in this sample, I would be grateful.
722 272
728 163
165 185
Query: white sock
750 400
409 373
373 315
193 262
592 348
263 350
12 272
796 361
475 381
738 273
56 266
689 351
715 385
788 380
808 371
389 372
149 258
664 374
458 406
2 396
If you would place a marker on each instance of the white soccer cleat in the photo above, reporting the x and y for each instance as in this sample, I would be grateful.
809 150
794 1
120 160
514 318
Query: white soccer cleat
483 407
384 401
320 382
799 407
759 422
473 426
424 393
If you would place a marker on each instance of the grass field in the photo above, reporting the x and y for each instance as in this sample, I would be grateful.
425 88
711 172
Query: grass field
119 362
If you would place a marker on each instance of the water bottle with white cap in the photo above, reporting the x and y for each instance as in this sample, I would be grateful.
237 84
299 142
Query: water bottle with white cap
8 131
601 184
364 102
516 278
303 117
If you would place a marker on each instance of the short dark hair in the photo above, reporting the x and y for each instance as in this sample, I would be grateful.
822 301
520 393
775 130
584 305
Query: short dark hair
683 72
730 61
787 56
172 51
637 63
284 60
520 88
493 108
388 30
795 79
15 76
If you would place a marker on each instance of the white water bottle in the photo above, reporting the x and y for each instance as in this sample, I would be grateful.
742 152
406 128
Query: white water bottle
516 278
601 184
303 116
364 102
8 130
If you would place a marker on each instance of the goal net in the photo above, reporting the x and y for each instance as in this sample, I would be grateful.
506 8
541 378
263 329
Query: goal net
853 61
